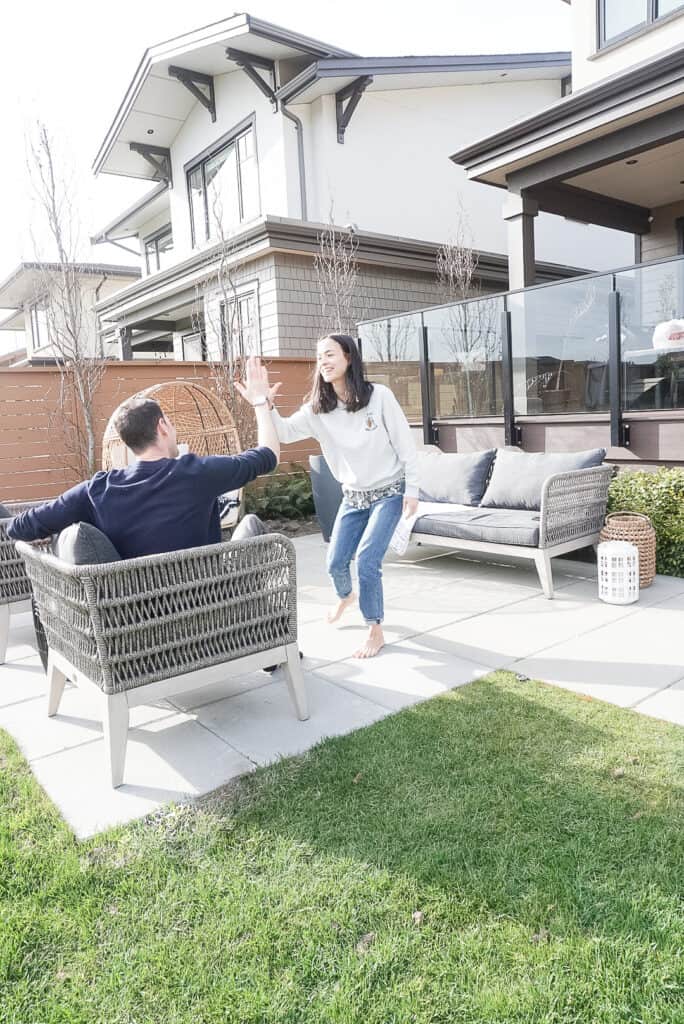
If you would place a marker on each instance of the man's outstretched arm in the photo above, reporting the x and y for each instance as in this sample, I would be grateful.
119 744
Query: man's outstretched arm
42 521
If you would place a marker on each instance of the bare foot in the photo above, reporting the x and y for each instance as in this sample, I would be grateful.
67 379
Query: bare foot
375 641
340 608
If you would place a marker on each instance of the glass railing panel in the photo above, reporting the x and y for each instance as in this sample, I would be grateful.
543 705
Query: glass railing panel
391 354
560 347
464 351
652 334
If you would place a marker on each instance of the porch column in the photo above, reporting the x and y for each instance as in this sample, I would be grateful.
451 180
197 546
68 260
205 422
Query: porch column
519 212
125 334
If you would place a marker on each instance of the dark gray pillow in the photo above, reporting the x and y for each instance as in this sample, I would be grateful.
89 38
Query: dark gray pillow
83 544
453 477
5 512
518 477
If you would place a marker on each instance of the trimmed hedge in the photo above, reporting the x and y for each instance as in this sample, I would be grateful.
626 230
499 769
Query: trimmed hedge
660 496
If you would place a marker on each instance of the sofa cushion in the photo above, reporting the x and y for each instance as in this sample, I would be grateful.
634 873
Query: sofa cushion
5 512
83 544
518 477
492 526
454 477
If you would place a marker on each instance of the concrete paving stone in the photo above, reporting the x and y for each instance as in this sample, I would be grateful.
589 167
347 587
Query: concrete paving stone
21 681
405 673
623 662
519 629
167 760
667 704
217 691
263 726
79 720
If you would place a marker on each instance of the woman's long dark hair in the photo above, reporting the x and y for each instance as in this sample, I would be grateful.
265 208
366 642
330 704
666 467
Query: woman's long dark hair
323 397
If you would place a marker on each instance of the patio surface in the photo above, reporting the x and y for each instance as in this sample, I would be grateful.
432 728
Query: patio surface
449 620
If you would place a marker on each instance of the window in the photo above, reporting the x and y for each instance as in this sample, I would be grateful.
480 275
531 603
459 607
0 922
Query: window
223 186
194 347
39 326
240 323
619 19
158 248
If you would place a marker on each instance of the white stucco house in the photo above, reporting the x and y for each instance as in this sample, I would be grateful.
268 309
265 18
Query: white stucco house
252 137
24 298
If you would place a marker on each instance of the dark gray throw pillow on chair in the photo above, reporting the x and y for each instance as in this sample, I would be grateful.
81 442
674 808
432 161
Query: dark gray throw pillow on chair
5 513
518 477
454 477
83 544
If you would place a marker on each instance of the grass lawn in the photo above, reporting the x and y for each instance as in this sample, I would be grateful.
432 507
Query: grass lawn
536 836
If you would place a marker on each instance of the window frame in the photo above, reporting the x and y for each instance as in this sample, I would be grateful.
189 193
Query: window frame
155 238
653 19
200 160
249 290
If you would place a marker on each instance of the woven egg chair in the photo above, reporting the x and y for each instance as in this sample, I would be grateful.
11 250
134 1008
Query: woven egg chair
201 419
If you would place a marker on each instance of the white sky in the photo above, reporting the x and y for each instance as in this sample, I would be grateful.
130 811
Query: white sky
70 63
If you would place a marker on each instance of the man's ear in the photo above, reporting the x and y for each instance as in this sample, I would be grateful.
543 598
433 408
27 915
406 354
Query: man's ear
162 427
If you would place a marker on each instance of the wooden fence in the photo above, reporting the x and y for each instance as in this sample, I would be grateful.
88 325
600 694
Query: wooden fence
36 455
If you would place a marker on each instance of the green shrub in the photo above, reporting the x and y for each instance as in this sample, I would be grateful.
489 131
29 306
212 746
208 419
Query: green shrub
660 496
283 496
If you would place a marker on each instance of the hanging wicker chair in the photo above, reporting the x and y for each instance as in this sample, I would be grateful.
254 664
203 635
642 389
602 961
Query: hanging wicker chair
202 421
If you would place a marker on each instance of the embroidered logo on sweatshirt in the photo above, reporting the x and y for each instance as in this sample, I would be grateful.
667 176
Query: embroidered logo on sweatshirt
369 422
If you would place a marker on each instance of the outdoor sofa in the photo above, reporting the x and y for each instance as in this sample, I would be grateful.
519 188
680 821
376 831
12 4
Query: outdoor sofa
145 629
499 502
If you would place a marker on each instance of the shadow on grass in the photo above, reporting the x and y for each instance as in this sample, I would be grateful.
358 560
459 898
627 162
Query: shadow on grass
512 798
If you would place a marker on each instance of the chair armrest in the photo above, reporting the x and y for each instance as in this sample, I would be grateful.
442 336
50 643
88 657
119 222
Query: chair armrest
573 505
14 584
125 624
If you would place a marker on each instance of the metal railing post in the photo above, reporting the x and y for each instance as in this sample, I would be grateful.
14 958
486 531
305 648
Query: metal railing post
619 431
430 430
512 433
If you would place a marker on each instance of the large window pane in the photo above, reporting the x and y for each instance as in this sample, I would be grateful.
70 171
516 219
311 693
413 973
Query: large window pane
652 355
560 347
391 353
164 250
197 213
622 15
666 6
249 181
464 345
223 208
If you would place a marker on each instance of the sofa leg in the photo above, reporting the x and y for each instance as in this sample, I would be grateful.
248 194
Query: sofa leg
295 682
116 735
4 631
543 563
56 680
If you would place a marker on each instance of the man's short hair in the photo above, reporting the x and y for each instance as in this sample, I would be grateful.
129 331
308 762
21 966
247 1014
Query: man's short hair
136 423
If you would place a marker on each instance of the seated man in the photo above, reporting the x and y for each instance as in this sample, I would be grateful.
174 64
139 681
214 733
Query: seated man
161 502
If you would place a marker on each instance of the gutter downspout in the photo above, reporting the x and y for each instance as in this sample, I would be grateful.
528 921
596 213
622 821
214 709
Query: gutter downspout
300 157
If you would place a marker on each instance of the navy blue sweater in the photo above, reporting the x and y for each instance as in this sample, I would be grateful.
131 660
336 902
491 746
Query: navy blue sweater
150 507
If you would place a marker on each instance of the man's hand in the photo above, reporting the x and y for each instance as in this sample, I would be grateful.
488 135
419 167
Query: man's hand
410 507
255 385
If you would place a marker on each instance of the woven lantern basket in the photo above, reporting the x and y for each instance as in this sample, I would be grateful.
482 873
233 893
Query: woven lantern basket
201 419
636 529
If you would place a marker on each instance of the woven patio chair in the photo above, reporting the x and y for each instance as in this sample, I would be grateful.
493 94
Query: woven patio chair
15 588
147 628
202 421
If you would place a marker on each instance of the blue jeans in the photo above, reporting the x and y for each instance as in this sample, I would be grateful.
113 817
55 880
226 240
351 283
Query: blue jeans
369 530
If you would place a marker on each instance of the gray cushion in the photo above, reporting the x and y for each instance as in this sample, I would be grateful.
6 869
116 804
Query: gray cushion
453 477
518 477
495 526
83 544
5 512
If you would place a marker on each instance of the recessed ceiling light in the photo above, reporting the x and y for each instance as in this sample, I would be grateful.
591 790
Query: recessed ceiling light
632 161
150 131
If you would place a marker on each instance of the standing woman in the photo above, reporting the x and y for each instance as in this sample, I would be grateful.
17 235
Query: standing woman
367 443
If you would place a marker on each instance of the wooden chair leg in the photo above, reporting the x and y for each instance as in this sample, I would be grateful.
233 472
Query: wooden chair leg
56 680
116 735
4 631
543 563
295 682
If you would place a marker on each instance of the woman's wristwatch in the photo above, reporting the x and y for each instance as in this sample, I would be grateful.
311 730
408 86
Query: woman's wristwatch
262 400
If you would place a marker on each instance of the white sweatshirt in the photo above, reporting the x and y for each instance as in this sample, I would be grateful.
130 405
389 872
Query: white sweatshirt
365 449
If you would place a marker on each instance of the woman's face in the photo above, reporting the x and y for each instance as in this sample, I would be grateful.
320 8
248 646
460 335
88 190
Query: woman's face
332 360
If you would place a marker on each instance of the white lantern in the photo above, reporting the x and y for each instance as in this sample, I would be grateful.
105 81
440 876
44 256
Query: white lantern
618 572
